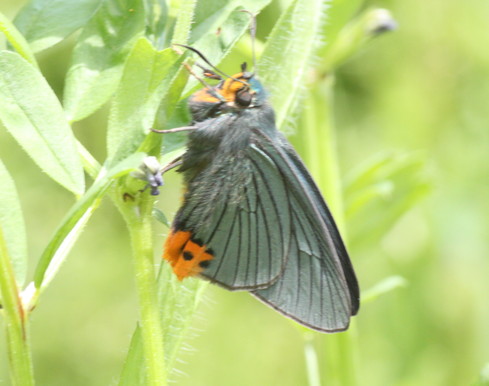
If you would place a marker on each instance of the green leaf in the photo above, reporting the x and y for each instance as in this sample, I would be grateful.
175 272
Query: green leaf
218 25
14 321
159 216
46 22
16 40
133 373
380 191
385 286
354 36
184 21
12 223
99 56
168 115
291 47
73 223
158 23
33 115
147 78
339 14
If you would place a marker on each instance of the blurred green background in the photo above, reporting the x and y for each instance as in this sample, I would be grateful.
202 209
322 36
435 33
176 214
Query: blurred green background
419 92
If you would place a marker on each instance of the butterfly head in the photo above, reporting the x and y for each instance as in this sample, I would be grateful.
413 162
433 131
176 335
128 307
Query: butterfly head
240 91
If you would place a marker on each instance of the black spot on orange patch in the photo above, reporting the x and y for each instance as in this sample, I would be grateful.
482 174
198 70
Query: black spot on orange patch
205 263
188 257
174 244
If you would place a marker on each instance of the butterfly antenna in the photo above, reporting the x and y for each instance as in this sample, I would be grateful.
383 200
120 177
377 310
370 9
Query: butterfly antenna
202 81
207 61
253 37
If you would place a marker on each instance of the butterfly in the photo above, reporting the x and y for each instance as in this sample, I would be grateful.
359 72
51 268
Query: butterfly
252 218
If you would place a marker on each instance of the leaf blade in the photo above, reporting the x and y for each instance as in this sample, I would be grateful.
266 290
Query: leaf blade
99 56
147 77
47 22
12 223
291 46
16 39
218 25
33 115
72 225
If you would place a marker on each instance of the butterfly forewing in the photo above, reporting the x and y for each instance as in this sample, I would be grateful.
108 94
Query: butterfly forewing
248 234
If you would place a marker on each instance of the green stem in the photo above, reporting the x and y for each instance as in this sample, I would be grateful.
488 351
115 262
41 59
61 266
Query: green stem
90 164
17 40
325 148
15 322
139 221
313 375
323 158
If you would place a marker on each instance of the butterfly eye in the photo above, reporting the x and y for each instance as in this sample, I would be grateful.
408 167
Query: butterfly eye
243 98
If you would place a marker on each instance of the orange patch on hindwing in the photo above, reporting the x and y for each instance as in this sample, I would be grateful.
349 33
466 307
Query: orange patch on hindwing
186 256
174 245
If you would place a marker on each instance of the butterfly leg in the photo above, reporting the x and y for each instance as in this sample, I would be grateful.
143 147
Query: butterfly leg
152 172
149 171
175 130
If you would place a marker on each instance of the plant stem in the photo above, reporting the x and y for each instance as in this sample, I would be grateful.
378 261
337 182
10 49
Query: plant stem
329 179
313 375
15 323
323 162
90 164
139 220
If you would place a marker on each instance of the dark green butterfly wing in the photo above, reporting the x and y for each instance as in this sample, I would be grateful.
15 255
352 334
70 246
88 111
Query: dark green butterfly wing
258 212
318 287
234 208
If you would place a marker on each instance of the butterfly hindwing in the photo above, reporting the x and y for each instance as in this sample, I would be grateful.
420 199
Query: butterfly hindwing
323 211
318 287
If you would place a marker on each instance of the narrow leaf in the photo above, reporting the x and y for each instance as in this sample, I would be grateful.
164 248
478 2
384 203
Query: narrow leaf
218 26
147 77
158 23
133 373
291 47
184 21
354 36
386 285
33 115
99 56
72 225
14 321
46 22
12 223
339 13
159 216
380 191
16 40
